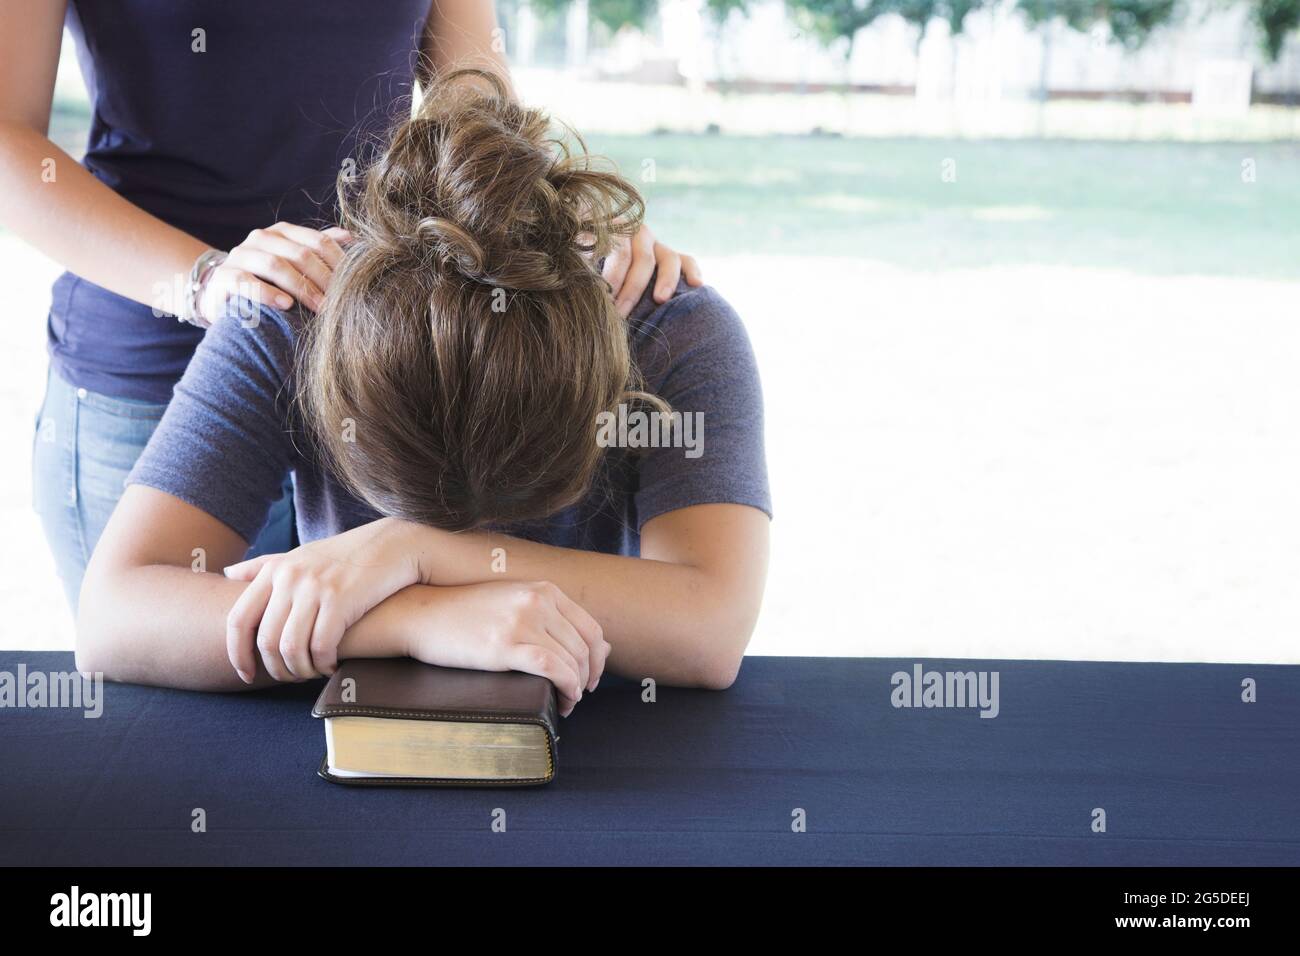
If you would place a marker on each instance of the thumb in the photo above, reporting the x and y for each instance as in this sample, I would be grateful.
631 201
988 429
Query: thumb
247 570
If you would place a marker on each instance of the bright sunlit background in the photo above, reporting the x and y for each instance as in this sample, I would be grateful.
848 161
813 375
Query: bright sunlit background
1022 281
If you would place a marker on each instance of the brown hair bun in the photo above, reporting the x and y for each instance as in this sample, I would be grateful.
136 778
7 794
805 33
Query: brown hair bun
467 343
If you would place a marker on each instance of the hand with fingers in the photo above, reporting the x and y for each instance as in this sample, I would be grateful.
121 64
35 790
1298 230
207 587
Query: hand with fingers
276 266
533 627
298 605
635 259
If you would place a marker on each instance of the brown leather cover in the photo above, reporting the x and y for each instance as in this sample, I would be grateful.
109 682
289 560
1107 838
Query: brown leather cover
406 689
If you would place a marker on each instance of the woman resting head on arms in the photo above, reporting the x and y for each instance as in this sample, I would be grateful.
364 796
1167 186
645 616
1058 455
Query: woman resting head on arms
442 416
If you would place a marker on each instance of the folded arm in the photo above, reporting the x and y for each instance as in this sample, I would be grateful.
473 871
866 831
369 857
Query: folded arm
155 610
682 612
154 604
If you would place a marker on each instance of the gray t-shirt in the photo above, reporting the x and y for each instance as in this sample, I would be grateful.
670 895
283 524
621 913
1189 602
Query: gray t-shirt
230 434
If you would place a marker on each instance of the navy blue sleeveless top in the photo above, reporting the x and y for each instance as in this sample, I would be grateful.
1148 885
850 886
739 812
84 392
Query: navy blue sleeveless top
219 117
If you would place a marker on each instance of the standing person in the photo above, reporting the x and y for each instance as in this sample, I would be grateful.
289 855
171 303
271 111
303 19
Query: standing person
218 131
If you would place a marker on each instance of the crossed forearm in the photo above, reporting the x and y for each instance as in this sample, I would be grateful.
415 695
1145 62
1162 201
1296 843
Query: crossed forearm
167 626
678 624
152 622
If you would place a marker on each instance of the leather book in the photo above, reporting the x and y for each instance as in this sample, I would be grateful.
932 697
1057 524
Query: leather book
398 722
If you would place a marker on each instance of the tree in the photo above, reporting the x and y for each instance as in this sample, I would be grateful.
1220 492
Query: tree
1276 19
956 11
721 9
614 14
918 13
1079 14
1040 15
1130 21
829 20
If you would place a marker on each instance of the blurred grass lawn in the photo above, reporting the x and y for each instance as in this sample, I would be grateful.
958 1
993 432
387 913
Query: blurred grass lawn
1007 415
1155 208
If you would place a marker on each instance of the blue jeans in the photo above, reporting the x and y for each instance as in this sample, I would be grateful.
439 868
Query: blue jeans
84 447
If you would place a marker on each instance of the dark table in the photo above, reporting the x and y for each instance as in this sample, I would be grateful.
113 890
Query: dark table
1186 772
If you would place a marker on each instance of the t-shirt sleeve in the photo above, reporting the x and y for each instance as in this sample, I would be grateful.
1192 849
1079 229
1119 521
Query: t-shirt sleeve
695 354
223 444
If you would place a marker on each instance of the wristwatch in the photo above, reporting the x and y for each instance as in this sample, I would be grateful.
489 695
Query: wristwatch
200 272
